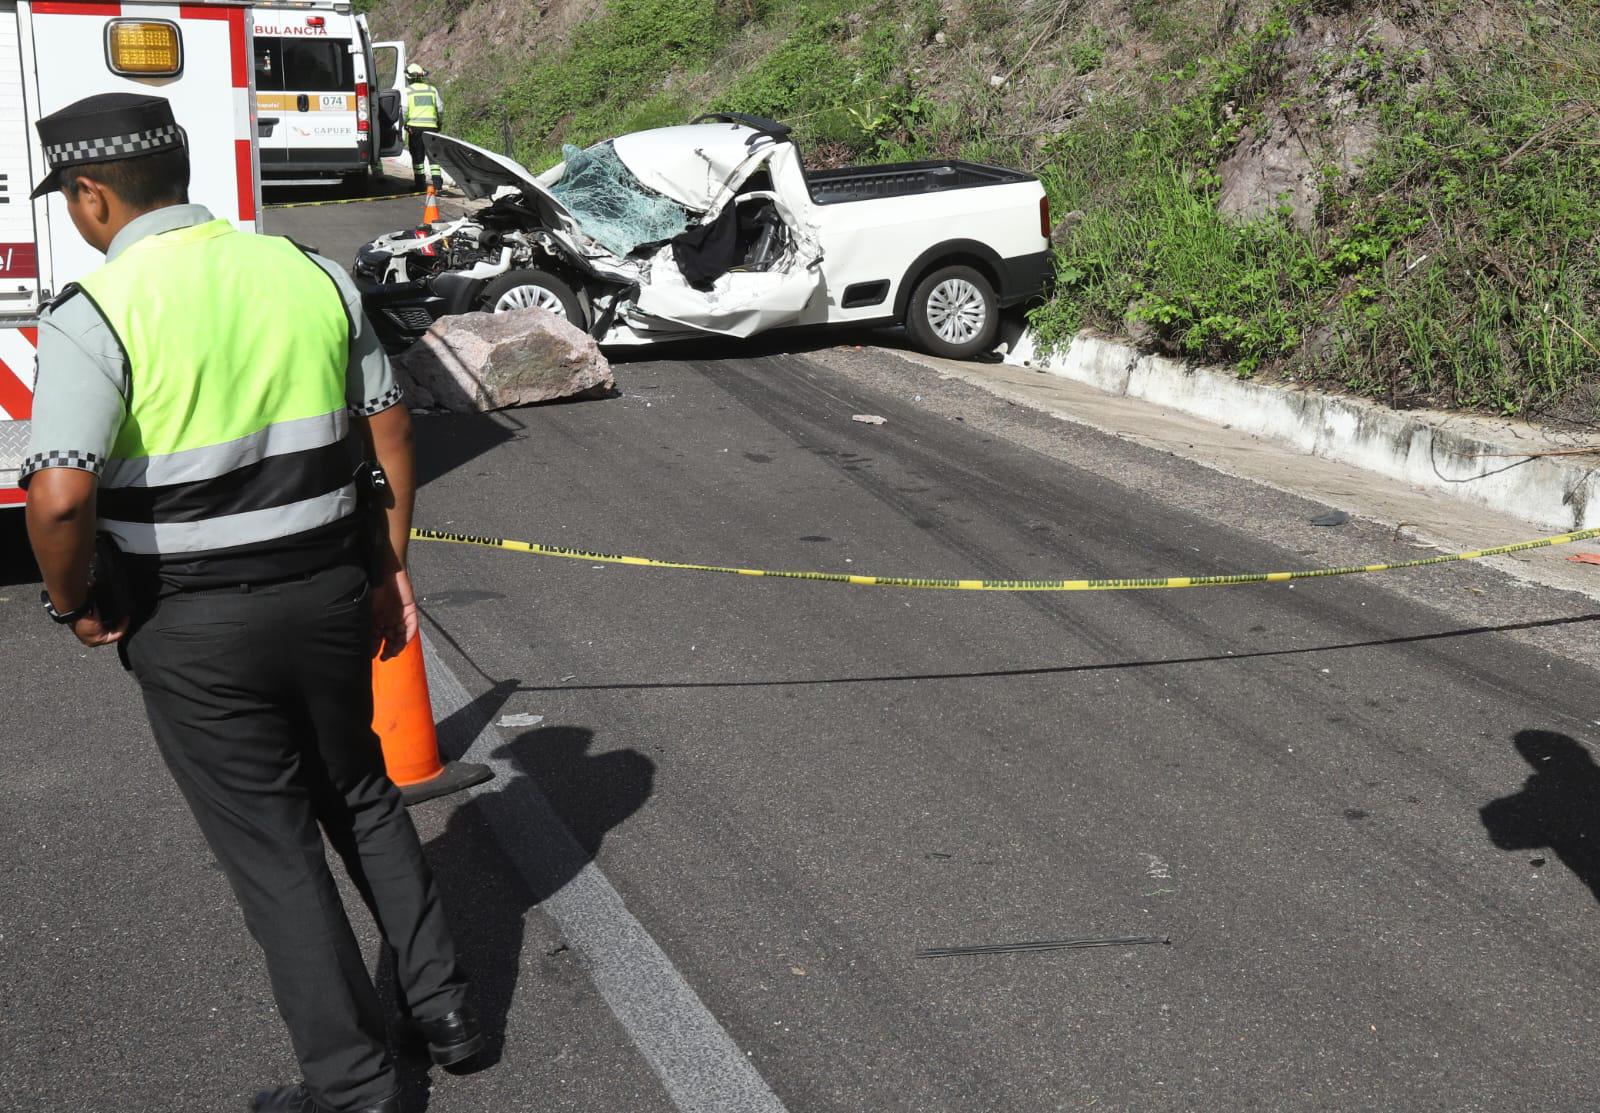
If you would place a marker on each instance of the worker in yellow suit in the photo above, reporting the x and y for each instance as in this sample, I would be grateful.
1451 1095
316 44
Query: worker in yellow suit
424 113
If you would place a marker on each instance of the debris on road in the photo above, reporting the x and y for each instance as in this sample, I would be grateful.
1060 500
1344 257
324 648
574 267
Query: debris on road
869 419
1331 518
477 362
519 720
1585 558
1044 945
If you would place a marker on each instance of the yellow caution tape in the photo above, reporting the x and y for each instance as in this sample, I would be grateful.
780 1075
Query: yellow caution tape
534 549
346 201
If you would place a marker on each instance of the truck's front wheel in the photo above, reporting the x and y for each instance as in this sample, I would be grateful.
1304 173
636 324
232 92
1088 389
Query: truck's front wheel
954 313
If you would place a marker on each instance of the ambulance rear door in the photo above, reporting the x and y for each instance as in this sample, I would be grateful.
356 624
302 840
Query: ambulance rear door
306 71
19 258
388 94
19 245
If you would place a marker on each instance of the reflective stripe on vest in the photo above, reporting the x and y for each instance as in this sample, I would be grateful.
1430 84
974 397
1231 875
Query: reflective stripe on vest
422 106
236 431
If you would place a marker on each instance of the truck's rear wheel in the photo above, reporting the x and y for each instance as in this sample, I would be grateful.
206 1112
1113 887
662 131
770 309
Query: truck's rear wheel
530 289
954 313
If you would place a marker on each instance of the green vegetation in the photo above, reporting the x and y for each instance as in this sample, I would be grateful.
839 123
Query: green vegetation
606 80
1458 268
1452 259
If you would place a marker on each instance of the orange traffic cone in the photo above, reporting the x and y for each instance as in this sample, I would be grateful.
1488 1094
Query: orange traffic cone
403 718
430 217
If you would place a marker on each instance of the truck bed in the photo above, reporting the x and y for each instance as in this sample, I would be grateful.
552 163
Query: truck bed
903 179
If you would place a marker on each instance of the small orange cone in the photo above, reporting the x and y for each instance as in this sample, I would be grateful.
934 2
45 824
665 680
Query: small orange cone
430 217
402 716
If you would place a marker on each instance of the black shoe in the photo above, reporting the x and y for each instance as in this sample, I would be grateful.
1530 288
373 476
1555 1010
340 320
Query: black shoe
297 1099
453 1038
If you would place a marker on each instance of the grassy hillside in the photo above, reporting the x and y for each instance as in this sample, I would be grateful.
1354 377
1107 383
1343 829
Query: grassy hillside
1398 198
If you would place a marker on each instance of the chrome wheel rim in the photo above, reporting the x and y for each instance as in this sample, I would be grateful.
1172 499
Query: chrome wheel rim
530 297
957 311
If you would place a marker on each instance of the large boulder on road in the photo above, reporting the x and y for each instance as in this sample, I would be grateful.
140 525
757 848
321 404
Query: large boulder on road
488 361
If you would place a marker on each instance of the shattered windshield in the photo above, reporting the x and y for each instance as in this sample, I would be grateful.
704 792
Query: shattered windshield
612 206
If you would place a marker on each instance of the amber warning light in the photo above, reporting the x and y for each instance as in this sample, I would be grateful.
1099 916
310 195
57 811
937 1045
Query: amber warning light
144 48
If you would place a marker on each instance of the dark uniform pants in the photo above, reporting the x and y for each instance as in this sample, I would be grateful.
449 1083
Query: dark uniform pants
421 168
261 703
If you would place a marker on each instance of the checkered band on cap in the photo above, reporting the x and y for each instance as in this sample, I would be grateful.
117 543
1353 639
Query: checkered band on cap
78 151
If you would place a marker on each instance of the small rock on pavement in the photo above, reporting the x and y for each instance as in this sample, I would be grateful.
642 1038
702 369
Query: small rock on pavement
869 419
488 361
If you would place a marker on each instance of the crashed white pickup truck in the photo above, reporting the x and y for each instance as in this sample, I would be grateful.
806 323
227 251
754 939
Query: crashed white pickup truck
716 228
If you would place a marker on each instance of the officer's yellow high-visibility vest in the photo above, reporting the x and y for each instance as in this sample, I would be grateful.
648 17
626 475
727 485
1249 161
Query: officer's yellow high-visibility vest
237 426
422 105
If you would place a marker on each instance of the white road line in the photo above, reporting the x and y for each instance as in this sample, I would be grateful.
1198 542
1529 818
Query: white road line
700 1066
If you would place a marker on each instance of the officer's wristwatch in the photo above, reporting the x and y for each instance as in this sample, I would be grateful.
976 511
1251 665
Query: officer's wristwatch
64 617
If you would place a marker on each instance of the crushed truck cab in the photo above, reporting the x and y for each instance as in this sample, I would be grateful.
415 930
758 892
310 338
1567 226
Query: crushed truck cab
716 228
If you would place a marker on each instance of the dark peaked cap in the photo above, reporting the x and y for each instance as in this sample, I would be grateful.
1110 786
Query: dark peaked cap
104 128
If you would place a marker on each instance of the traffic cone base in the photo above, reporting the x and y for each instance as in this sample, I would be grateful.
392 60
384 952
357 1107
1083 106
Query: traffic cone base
453 776
402 717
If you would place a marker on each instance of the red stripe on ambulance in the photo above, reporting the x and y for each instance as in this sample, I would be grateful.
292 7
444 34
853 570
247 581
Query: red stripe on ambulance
75 7
16 376
235 20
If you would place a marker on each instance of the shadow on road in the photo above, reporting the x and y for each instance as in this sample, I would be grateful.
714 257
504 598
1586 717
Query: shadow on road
374 187
16 559
1064 670
561 784
1556 808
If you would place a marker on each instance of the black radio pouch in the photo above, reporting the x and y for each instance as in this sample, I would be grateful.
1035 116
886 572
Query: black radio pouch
372 496
109 588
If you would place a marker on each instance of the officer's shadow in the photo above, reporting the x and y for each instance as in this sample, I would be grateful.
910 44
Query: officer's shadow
488 897
1558 807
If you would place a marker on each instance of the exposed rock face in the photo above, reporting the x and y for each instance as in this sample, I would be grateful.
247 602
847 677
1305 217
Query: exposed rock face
488 361
1282 161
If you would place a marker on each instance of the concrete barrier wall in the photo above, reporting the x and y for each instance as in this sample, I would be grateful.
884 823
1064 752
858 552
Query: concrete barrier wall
1464 457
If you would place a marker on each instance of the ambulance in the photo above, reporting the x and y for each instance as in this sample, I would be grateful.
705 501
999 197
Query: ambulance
200 56
331 100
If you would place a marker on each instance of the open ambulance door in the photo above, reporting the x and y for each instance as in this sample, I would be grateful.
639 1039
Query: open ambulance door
389 83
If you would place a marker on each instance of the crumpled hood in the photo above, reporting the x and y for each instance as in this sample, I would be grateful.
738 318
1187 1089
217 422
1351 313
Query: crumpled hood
479 173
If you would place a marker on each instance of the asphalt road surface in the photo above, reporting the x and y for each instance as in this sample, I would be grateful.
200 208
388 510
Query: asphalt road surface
729 812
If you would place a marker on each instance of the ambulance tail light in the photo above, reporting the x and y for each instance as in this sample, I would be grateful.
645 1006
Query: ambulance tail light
1044 217
363 109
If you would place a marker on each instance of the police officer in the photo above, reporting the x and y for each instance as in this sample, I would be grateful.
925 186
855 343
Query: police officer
203 400
424 114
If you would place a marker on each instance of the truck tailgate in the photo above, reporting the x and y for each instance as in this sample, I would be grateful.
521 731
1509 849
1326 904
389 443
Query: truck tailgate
905 179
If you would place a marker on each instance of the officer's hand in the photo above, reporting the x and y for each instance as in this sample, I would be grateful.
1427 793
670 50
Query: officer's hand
394 613
94 633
